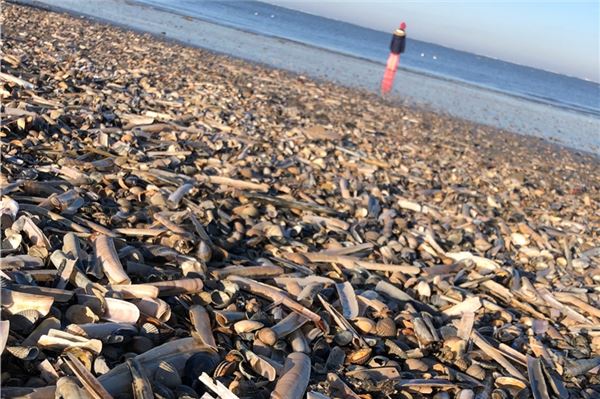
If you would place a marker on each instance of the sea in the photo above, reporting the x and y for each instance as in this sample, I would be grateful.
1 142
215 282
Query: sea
427 58
561 109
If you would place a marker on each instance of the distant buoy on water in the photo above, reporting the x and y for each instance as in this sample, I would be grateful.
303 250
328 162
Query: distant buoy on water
434 57
255 13
397 47
272 16
422 54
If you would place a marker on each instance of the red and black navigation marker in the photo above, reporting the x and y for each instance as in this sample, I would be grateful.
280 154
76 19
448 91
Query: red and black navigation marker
397 47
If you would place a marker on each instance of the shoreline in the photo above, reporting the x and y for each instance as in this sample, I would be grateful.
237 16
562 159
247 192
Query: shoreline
487 107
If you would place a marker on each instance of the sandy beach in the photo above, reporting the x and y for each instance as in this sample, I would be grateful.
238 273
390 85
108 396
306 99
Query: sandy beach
194 162
459 99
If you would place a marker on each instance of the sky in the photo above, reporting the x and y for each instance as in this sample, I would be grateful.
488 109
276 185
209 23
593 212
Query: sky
558 36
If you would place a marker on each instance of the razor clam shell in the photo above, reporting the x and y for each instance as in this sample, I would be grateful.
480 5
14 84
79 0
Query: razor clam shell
261 366
42 329
224 317
117 311
14 302
176 287
201 322
131 291
4 330
294 380
60 340
244 326
154 307
103 330
118 380
67 388
106 256
348 300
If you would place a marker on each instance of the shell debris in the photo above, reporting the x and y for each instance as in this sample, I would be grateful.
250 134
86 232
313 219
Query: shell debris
208 225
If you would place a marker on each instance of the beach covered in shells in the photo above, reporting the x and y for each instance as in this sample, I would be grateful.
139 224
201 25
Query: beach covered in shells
180 224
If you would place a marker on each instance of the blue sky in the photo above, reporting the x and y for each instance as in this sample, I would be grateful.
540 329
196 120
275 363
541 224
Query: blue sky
562 37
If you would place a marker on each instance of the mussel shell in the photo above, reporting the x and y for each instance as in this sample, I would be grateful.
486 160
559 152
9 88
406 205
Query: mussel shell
198 363
343 338
185 392
162 392
167 375
24 321
336 358
151 332
140 344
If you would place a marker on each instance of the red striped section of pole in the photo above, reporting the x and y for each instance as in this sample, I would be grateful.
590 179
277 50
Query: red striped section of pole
397 47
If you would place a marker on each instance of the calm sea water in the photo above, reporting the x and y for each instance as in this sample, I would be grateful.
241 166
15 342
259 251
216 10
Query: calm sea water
266 19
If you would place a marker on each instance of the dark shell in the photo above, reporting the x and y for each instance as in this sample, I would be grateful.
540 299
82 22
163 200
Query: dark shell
201 362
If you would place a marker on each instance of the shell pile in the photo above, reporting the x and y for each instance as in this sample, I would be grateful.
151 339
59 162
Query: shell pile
177 224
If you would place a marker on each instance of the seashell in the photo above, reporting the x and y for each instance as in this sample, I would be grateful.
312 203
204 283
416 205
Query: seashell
185 392
204 251
23 352
336 358
198 363
154 307
364 325
244 326
43 328
106 256
100 366
177 287
4 331
225 368
141 344
67 388
293 382
14 302
167 375
150 331
267 336
162 392
132 291
386 327
509 383
519 239
80 314
35 382
465 394
343 338
23 322
476 371
359 356
60 340
84 356
416 365
224 317
220 299
201 322
499 394
261 366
